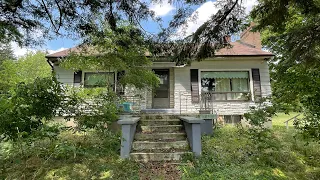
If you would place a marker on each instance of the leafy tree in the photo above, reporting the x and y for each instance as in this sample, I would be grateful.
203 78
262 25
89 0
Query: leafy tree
77 18
207 39
6 52
120 50
20 18
292 32
24 112
26 69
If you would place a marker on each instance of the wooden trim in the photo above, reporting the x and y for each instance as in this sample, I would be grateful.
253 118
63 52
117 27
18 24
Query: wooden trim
257 90
194 83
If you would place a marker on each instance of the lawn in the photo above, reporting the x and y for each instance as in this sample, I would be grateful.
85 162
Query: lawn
280 118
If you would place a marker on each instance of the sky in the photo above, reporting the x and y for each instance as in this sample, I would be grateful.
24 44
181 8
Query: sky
164 10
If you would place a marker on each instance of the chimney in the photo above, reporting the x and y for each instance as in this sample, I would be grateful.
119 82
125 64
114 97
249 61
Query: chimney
251 38
227 39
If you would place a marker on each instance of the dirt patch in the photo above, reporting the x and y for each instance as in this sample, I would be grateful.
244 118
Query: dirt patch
159 170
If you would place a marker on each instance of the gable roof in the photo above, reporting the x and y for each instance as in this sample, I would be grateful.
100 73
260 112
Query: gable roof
237 49
242 49
63 53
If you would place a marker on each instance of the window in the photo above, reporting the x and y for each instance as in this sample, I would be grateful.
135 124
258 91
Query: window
232 119
233 85
100 79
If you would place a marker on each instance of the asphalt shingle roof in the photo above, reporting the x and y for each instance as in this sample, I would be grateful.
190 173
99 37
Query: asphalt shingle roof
236 49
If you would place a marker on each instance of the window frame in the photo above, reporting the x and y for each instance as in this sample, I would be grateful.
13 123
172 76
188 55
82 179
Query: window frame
250 82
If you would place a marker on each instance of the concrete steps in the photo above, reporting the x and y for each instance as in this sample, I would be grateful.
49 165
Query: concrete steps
146 157
162 129
158 116
147 145
160 122
159 138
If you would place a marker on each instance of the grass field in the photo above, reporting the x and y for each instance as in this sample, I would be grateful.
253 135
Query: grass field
280 118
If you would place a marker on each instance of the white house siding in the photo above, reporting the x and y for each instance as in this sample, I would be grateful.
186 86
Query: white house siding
63 75
180 88
183 88
171 78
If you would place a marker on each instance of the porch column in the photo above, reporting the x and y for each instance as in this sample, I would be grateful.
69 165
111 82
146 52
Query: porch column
128 128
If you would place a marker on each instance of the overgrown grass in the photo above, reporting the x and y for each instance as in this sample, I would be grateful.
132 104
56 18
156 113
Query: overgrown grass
229 154
89 155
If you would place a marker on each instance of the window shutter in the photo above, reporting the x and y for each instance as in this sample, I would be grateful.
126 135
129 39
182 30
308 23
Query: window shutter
256 84
120 87
194 85
77 77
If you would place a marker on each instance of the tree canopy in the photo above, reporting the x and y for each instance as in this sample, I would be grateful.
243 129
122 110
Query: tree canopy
120 50
22 18
25 70
6 52
291 29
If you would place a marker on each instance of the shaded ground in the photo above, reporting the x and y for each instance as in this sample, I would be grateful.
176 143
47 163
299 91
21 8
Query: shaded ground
159 170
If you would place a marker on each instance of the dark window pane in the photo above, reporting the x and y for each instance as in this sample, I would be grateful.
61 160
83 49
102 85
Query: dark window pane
77 77
161 94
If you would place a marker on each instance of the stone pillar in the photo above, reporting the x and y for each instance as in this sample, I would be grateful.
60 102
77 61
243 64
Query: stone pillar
207 126
128 128
193 129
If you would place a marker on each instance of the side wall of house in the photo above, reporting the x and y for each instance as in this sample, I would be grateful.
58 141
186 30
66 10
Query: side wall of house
183 101
64 76
132 95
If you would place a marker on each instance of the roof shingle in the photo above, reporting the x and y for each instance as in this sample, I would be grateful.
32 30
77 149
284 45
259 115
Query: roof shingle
242 49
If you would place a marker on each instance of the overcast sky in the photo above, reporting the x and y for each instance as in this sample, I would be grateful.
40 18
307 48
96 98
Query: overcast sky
164 10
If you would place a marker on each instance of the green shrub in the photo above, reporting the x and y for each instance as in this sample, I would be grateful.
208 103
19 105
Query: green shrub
25 110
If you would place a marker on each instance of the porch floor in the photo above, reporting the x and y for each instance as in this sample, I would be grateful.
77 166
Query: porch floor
158 111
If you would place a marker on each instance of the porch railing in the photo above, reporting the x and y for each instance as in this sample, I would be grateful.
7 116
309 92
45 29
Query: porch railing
183 100
134 101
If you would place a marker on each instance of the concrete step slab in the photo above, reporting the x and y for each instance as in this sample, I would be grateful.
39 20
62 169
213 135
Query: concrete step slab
149 157
152 122
162 128
160 136
147 145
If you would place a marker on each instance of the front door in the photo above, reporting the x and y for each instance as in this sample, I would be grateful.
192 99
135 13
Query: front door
161 99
